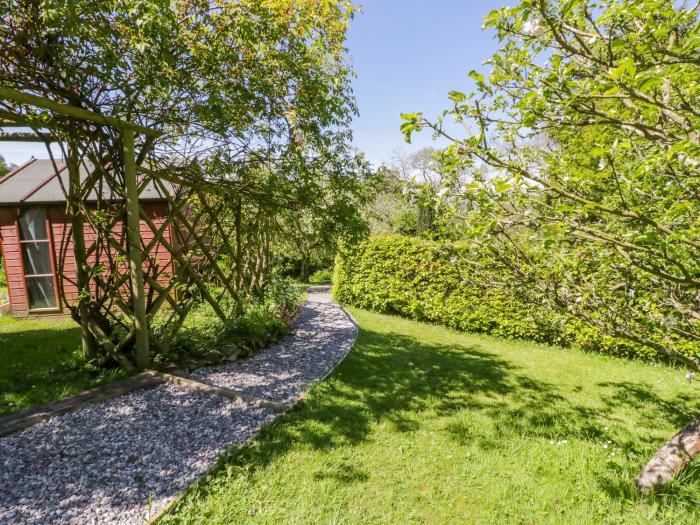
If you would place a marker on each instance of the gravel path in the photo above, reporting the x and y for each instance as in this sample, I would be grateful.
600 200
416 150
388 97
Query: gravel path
123 460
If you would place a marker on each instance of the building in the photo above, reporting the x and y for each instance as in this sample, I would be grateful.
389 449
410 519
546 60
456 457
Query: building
35 236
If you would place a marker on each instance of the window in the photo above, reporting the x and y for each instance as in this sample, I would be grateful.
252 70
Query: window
37 258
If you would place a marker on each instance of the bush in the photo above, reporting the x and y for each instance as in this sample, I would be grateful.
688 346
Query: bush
439 283
3 276
3 283
290 265
421 280
205 339
321 277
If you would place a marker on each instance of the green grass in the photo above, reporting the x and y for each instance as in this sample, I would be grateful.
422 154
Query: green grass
301 290
424 425
41 361
3 294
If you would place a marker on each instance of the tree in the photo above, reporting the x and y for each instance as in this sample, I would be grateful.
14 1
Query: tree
232 88
405 198
339 189
388 210
587 125
4 168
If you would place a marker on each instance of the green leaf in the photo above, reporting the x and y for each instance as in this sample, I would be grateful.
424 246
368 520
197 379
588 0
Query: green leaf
478 77
491 19
626 70
501 186
457 96
650 83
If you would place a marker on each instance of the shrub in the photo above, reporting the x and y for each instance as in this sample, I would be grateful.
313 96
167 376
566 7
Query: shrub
321 277
206 339
440 283
3 276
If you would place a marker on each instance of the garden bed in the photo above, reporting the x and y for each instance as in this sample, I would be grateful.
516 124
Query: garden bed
43 362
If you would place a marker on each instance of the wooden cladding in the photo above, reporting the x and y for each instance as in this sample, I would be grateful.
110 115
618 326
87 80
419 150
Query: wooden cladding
38 252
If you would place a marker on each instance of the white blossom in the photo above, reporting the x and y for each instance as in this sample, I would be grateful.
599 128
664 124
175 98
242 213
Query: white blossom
688 161
534 27
670 322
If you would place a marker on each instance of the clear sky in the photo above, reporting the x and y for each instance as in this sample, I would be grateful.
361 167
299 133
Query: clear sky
407 55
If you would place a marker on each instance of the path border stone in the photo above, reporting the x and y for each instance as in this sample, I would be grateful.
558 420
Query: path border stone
220 391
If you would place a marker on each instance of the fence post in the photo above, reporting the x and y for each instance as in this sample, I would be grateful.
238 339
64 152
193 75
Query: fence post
133 220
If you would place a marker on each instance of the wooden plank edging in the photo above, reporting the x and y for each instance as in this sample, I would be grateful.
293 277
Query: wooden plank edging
28 418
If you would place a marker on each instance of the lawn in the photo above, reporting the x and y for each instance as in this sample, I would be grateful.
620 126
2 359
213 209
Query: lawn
41 362
424 425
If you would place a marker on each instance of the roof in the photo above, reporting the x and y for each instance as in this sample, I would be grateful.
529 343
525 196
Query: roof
38 182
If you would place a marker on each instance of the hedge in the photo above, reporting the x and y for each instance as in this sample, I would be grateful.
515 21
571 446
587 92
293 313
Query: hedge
425 281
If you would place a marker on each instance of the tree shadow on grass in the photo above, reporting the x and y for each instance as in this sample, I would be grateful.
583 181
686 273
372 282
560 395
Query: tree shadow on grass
649 404
344 472
396 379
39 364
650 407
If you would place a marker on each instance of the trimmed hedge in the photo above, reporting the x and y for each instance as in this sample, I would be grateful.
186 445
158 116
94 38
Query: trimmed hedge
321 277
431 282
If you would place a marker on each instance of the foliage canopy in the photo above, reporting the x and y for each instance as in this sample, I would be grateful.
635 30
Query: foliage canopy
579 173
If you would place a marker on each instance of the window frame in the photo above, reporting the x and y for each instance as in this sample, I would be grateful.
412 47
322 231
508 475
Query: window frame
52 257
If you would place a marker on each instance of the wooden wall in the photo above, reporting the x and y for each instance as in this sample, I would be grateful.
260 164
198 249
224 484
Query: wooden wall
60 228
13 261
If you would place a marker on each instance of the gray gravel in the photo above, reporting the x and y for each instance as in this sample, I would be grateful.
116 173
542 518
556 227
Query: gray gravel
285 371
123 460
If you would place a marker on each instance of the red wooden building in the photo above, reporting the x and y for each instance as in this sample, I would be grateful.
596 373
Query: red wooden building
34 229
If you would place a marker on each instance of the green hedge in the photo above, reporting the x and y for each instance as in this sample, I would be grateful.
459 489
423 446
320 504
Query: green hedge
431 282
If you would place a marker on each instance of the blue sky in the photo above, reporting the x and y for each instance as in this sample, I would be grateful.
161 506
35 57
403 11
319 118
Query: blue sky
407 55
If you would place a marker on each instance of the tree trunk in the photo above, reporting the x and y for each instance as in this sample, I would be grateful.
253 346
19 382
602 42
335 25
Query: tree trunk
671 459
133 252
239 244
305 270
80 251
